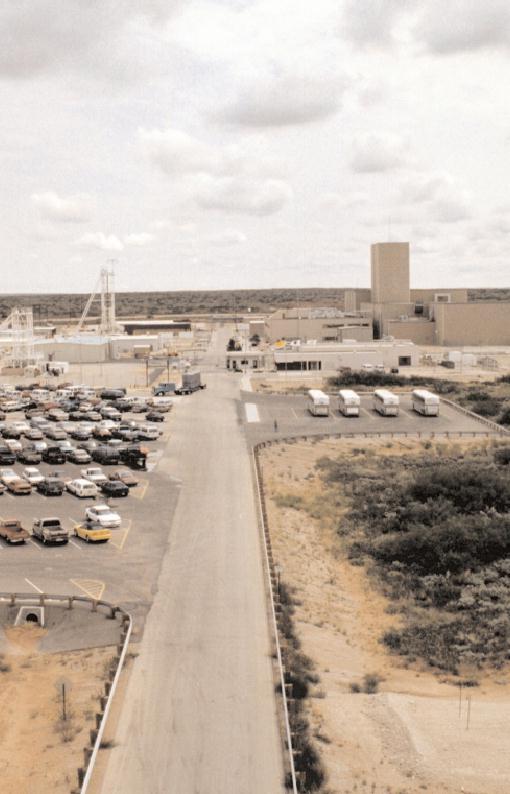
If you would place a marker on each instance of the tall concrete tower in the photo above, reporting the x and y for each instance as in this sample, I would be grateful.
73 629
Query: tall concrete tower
390 272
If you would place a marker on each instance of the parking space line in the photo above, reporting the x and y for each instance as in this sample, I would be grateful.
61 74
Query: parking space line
120 544
94 588
140 490
367 413
75 544
35 544
403 411
34 586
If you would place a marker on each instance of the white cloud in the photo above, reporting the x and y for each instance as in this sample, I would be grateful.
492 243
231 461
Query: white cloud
441 195
40 36
63 209
243 195
140 239
372 22
176 152
228 238
233 178
462 25
283 99
378 152
101 241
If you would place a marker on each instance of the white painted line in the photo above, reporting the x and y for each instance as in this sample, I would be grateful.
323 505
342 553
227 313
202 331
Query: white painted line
403 411
294 414
34 586
36 545
367 413
252 412
75 544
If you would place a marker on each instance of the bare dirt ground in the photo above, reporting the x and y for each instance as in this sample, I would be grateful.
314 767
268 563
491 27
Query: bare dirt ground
415 734
39 751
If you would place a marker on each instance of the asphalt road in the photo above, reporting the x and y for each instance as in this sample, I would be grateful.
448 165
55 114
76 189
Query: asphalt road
200 714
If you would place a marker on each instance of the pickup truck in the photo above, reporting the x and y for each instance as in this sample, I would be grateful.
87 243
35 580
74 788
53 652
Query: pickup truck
12 531
50 530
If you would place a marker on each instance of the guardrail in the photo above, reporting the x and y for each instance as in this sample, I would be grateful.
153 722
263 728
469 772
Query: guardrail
292 776
43 599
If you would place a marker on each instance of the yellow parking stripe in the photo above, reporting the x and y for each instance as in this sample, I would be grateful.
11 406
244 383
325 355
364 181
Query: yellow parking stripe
91 587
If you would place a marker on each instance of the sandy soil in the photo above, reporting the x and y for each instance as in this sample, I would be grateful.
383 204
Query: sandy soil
415 734
39 752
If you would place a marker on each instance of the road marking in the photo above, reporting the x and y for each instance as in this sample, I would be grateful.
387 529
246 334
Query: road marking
367 413
119 542
35 544
34 586
139 491
403 411
94 588
294 414
75 544
252 412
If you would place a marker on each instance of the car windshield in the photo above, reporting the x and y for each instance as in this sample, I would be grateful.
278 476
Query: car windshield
102 510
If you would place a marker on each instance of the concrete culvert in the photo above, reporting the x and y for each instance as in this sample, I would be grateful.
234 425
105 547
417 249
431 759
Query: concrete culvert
32 618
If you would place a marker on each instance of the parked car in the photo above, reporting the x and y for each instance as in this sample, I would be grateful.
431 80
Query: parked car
32 475
79 455
37 446
54 455
124 476
149 433
154 416
13 444
10 431
66 447
112 394
94 474
88 445
92 532
114 488
51 486
103 515
163 389
107 456
21 426
81 433
50 530
56 433
7 474
12 531
7 456
18 486
82 488
34 434
29 456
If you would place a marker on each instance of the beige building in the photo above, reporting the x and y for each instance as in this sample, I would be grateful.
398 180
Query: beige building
320 324
476 324
390 272
331 357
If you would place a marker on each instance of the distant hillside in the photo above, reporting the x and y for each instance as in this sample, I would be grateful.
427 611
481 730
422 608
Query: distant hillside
148 304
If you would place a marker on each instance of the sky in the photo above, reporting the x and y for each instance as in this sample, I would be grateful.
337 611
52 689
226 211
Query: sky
212 144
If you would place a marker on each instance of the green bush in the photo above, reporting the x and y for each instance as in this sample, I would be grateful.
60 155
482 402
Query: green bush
502 456
487 407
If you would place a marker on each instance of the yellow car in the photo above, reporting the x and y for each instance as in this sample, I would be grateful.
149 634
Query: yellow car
92 533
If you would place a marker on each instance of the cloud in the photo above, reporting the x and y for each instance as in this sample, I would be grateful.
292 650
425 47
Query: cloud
284 99
140 239
100 241
372 22
443 198
463 25
227 238
63 209
243 195
176 152
378 152
231 178
41 36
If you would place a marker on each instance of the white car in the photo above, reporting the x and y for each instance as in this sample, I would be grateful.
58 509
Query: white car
32 475
39 446
8 475
13 444
82 488
95 474
103 515
21 426
149 432
107 424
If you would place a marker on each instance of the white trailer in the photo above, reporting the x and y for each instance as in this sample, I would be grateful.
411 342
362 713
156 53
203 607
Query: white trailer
425 403
348 402
318 403
385 402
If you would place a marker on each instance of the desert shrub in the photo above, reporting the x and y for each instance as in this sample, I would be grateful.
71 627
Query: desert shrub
504 419
487 407
287 500
478 396
502 456
468 487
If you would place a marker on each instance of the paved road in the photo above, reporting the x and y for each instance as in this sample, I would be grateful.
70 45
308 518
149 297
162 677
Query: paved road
200 714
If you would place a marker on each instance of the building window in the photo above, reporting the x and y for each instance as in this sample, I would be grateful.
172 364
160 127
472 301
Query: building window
443 297
404 361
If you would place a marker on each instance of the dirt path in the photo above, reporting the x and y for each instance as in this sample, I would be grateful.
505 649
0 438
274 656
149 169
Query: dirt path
414 735
40 752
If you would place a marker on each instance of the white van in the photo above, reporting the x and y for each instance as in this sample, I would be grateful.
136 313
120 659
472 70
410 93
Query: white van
83 488
162 404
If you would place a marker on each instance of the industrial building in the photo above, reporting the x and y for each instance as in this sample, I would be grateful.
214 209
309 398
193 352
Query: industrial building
319 324
327 357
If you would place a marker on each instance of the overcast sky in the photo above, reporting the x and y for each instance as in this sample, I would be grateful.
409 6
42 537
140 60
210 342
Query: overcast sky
252 143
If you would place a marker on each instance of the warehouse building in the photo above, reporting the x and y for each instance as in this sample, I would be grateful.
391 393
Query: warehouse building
323 324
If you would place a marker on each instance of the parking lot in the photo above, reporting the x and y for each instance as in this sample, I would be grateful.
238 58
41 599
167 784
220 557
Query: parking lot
124 569
259 413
